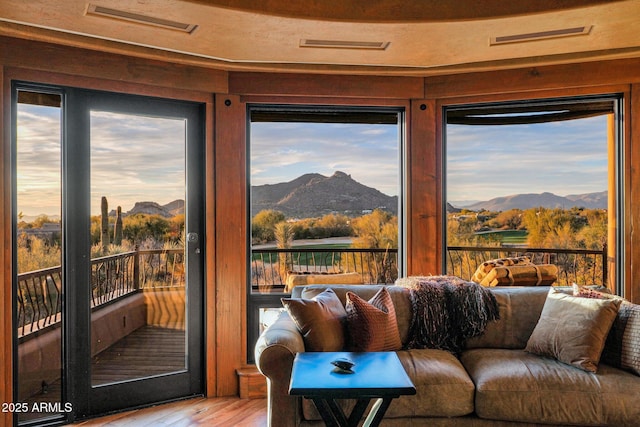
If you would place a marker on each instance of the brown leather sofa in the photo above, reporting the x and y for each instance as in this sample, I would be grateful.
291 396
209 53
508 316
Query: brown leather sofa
493 382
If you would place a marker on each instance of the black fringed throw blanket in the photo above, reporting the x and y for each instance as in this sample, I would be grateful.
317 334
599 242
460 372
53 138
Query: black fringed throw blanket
447 310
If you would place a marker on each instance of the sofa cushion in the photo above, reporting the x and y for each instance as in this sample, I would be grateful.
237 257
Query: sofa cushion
520 309
443 388
519 386
372 324
573 330
320 320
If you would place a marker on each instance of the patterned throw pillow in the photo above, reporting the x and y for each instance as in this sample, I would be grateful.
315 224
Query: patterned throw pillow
320 320
622 348
597 292
573 330
372 324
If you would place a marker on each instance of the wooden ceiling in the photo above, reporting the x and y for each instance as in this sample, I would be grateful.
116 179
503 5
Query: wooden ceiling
382 37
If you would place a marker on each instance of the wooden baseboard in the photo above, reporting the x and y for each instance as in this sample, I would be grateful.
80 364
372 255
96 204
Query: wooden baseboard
253 385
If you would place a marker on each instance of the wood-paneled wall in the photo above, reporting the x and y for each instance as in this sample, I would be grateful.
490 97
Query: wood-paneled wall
424 214
6 356
231 242
227 94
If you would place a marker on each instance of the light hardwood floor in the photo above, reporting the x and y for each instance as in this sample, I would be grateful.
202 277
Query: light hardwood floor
200 411
122 361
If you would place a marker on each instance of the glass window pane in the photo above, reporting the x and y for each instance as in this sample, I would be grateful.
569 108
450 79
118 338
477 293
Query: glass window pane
137 228
38 254
536 181
324 198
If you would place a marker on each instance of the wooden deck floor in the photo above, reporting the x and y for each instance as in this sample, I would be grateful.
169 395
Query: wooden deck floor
145 352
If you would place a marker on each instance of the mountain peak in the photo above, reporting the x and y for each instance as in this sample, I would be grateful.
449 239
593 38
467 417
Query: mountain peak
546 199
339 174
169 210
313 195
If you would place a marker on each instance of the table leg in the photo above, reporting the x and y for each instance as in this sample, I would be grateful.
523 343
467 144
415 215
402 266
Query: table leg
337 412
333 415
326 412
358 411
377 412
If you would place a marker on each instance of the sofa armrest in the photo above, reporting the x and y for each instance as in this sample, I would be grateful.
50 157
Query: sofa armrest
274 353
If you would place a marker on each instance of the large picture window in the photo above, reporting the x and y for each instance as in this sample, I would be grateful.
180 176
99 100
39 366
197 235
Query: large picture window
325 201
538 179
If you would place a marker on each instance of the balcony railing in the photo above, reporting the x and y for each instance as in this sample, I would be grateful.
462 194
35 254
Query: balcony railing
269 267
39 298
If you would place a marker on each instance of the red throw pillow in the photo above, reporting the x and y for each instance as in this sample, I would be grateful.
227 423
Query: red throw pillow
372 324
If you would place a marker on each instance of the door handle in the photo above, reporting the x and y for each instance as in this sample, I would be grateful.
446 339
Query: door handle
193 238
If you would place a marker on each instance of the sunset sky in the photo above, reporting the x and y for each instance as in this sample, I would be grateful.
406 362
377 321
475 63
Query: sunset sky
563 158
133 159
482 162
281 152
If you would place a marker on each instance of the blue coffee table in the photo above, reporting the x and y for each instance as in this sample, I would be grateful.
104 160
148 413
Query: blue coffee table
376 375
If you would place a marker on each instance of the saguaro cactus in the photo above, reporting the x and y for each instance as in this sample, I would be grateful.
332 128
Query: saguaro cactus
117 233
104 226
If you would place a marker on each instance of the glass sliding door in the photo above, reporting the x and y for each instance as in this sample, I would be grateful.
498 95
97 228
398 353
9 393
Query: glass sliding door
139 226
125 238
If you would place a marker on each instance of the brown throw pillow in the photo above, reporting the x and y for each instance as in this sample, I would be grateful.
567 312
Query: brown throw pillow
372 324
320 320
573 330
